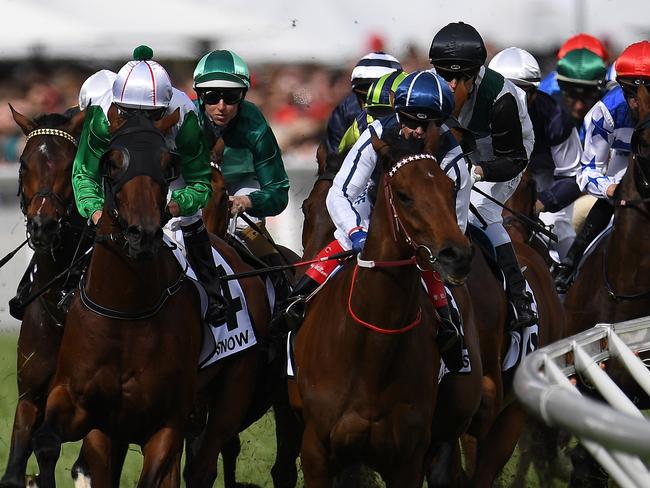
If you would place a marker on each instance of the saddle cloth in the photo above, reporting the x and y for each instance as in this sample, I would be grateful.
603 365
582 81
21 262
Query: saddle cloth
234 335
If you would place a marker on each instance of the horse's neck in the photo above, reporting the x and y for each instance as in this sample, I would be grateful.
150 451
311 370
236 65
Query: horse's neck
630 237
115 280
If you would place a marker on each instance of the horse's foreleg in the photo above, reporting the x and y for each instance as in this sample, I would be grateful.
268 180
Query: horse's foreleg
314 457
63 422
25 420
161 452
495 449
288 434
407 474
229 454
100 462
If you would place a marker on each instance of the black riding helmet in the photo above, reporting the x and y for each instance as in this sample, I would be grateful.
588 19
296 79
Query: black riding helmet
457 48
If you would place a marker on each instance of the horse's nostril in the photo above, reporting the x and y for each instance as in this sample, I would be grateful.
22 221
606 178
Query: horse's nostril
134 231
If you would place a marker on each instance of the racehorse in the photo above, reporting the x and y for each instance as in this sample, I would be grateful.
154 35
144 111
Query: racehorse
366 357
54 228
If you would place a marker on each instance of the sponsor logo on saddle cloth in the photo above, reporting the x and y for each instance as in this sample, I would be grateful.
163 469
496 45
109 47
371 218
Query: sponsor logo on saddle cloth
236 334
522 342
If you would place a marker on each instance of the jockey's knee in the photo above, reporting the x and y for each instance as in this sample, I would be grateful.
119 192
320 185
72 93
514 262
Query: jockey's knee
497 234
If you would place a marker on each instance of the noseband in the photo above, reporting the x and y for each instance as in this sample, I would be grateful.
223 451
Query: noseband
396 224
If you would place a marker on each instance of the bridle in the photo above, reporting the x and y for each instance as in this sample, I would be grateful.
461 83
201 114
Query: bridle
63 210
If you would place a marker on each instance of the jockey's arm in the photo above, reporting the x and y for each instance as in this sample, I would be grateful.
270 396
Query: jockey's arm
599 136
195 167
455 166
86 180
341 118
273 195
512 140
351 180
564 191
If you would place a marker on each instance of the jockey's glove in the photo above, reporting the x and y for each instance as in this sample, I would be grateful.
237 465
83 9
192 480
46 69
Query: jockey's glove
358 238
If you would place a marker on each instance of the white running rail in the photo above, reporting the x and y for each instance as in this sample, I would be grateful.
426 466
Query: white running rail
616 433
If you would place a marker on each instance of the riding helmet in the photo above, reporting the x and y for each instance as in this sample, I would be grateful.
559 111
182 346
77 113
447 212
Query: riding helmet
424 95
634 61
95 86
457 47
221 69
142 83
379 93
373 66
580 41
517 65
581 67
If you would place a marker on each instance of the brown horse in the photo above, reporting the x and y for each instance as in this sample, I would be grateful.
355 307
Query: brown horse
128 357
54 230
366 357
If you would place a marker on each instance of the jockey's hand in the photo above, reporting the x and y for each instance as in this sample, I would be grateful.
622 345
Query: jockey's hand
539 207
173 208
358 238
610 190
97 214
239 204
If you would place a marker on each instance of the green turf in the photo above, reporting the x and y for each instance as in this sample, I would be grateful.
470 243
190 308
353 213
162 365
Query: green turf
254 463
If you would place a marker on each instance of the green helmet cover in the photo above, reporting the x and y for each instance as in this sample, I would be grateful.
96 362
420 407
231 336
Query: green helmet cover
221 69
581 66
380 90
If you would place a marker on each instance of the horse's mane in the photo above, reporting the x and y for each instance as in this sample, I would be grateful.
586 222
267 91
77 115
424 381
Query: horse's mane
51 120
400 147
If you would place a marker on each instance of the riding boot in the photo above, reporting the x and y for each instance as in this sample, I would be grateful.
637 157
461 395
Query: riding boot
16 307
199 255
290 312
516 284
279 280
597 219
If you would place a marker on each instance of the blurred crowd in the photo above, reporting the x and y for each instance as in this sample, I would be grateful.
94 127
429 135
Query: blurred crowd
295 98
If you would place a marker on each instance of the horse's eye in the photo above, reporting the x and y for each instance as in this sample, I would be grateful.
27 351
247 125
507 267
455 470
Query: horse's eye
404 198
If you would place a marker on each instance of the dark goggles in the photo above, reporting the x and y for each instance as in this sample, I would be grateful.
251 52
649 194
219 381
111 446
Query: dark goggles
449 74
630 87
588 93
151 114
413 121
229 96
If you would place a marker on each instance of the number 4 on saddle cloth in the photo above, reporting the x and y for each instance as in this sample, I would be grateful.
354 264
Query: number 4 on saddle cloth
234 335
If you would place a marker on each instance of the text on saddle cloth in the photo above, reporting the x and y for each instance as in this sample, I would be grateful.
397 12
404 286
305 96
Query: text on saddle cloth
236 334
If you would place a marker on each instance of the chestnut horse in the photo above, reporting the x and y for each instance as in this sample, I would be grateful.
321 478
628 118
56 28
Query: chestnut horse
54 228
366 356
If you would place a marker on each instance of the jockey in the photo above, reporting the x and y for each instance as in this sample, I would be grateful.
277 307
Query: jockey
581 78
420 99
369 68
549 84
556 154
609 126
379 103
143 86
493 109
252 163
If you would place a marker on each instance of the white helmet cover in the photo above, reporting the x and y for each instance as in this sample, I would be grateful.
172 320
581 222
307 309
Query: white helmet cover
95 87
373 66
517 65
143 85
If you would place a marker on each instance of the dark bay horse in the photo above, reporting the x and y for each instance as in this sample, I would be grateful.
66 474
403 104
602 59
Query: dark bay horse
54 229
366 356
129 353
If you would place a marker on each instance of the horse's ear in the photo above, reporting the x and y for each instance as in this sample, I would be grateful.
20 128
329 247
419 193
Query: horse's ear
216 153
168 121
321 157
114 119
27 125
432 139
76 123
380 147
644 101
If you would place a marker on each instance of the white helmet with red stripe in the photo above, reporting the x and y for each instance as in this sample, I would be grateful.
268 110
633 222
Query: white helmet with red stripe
142 83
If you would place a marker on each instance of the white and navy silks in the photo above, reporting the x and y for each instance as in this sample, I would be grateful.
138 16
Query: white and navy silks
608 128
496 114
554 164
349 199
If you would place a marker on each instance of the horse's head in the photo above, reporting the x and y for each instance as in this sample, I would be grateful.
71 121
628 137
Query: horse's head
44 182
137 169
641 136
420 201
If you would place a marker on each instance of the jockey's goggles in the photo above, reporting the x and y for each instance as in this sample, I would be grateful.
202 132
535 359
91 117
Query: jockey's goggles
587 93
630 86
416 119
151 114
230 96
456 73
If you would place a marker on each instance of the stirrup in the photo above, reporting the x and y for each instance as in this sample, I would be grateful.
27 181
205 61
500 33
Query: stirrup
524 316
